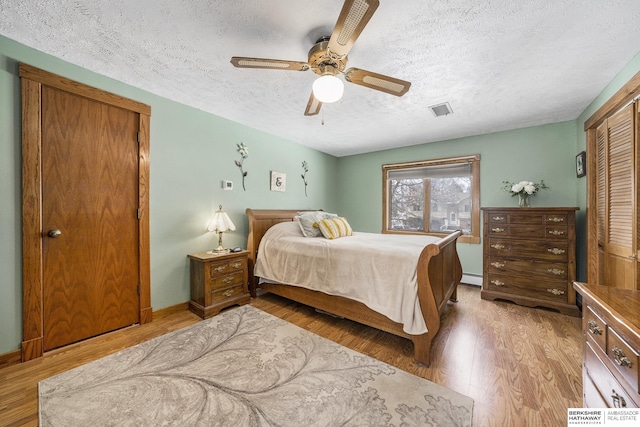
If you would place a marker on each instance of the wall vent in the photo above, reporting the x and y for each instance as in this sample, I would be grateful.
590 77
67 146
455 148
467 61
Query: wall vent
441 109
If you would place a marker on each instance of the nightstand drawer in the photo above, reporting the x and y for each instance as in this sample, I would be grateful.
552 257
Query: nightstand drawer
221 268
220 295
227 280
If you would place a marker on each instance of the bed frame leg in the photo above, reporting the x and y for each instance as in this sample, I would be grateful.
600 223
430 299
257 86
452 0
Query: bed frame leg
422 350
454 295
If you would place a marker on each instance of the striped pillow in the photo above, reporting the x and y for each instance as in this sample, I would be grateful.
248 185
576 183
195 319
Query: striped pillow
332 228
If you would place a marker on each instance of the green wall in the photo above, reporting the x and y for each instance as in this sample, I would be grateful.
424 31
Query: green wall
543 152
191 153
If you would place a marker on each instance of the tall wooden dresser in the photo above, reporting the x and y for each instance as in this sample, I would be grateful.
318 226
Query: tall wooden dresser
611 329
529 257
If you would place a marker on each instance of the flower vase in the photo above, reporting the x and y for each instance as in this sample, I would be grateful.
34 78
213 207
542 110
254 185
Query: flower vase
523 200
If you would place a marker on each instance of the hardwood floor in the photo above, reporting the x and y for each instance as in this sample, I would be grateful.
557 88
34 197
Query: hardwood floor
522 366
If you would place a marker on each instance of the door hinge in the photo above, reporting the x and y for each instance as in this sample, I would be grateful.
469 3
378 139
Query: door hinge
138 289
138 137
138 213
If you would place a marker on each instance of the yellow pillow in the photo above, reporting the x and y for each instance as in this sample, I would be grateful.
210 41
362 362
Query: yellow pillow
332 228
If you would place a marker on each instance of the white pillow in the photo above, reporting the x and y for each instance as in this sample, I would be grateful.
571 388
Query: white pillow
309 222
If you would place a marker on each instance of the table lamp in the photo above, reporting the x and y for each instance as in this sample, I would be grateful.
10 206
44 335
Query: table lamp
220 223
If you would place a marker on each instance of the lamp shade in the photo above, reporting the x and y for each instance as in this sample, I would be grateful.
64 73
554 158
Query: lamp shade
220 223
328 88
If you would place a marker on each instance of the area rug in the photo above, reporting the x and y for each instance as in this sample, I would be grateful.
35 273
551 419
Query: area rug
245 367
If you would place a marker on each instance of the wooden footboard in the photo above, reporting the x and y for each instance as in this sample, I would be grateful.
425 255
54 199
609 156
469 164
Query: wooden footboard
439 273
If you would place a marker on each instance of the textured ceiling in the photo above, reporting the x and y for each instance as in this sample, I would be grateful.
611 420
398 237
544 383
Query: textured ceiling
500 64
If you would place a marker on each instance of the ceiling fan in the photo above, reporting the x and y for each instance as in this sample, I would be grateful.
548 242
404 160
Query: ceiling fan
328 58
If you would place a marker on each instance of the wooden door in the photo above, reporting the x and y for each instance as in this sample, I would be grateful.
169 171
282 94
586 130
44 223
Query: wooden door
85 173
619 254
89 197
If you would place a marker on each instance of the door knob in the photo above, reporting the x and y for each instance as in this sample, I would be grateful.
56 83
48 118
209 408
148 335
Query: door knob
54 233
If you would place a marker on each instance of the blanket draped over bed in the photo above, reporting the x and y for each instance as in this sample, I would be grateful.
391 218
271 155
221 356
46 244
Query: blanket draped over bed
378 270
406 288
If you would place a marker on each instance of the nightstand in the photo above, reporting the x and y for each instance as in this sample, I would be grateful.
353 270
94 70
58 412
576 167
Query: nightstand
218 281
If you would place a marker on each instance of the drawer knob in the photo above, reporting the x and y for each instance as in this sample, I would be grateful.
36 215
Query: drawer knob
498 264
236 265
555 219
497 282
556 232
594 328
498 218
220 269
556 291
556 271
497 246
228 280
618 401
228 293
498 230
620 358
556 251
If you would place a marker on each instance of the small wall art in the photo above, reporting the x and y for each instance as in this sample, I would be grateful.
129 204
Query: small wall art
581 164
278 181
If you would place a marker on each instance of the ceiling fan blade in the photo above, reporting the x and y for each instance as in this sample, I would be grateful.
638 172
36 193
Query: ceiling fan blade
313 106
377 81
272 64
353 18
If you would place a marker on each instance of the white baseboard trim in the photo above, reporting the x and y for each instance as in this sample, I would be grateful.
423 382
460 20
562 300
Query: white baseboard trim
471 279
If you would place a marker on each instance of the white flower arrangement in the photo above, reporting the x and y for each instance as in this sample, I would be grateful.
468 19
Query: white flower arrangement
524 189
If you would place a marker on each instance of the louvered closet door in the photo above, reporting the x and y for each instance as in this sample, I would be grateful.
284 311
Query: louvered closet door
601 199
619 205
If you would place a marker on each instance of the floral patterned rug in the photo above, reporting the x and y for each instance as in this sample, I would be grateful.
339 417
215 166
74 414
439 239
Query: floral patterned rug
245 367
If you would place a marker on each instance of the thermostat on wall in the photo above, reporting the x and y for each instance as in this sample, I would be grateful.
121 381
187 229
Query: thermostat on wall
227 185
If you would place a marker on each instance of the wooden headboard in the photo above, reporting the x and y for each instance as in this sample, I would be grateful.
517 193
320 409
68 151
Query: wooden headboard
260 220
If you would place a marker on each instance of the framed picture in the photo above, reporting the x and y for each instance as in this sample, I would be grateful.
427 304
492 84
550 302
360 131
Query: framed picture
278 181
581 164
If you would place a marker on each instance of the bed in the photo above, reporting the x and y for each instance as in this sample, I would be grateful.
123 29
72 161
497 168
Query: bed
438 274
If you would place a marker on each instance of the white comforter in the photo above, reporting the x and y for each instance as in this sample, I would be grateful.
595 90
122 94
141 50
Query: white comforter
378 270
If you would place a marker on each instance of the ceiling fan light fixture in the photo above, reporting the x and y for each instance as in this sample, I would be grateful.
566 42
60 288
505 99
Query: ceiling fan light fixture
328 88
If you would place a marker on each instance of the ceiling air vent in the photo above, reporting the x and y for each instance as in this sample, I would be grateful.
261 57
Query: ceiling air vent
441 109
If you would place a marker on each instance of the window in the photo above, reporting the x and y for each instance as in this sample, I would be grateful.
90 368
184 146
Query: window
433 196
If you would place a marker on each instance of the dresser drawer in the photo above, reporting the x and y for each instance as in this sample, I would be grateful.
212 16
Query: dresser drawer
595 328
526 217
610 390
526 268
542 250
536 231
497 218
559 219
549 290
622 355
591 395
226 267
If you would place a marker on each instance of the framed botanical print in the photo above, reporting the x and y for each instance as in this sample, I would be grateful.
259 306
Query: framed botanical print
581 164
